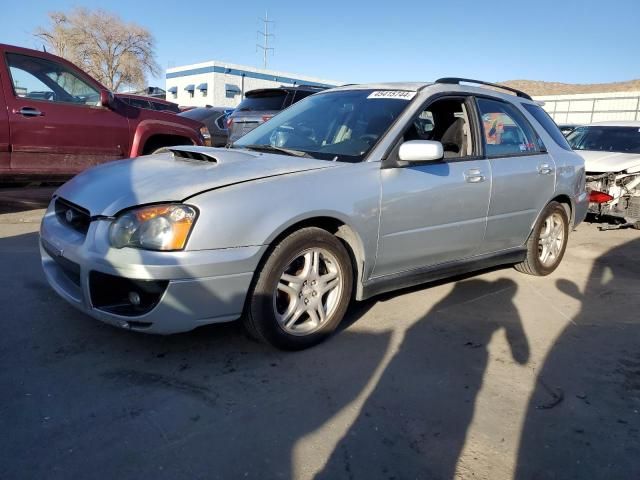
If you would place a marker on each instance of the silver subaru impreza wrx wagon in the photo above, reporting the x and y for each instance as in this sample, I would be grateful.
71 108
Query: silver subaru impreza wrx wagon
351 192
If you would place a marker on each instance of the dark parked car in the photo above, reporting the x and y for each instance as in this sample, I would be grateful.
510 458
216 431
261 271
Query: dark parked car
215 119
55 120
260 105
149 103
567 128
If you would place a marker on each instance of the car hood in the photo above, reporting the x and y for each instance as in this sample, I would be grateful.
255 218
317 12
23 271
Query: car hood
173 176
601 162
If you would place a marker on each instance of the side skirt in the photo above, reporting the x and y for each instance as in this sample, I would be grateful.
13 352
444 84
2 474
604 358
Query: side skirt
410 278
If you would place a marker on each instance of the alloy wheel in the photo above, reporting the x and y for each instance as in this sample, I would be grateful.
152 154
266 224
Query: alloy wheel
308 292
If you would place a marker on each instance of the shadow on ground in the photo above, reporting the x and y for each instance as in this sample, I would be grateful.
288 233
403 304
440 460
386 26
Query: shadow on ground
21 199
85 399
593 371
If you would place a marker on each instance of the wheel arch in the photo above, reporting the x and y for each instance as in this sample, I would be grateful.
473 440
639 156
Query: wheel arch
337 227
567 203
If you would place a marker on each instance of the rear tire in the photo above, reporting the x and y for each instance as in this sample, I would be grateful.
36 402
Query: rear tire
301 292
547 243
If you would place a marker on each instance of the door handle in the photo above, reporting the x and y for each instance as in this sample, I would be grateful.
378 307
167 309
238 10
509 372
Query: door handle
474 175
28 112
544 169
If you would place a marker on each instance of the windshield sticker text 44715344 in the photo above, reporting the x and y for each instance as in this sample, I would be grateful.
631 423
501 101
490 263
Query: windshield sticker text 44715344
398 94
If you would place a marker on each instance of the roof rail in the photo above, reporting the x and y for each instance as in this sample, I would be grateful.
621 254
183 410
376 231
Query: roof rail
457 81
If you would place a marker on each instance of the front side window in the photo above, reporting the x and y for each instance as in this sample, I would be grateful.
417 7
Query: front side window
606 139
506 131
340 125
41 79
445 121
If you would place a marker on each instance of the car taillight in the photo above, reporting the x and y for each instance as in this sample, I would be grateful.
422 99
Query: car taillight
229 123
599 197
266 117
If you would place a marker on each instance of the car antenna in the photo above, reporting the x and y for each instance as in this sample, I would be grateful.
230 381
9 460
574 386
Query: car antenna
44 49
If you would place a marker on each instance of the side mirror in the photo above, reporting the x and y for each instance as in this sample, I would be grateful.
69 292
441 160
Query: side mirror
106 98
419 151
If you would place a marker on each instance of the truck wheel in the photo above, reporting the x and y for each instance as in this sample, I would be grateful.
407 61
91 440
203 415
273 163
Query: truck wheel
160 150
301 292
547 242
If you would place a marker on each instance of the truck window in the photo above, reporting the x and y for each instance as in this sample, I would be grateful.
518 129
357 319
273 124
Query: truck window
41 79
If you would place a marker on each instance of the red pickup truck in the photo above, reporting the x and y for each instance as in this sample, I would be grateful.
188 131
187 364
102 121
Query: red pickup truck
55 120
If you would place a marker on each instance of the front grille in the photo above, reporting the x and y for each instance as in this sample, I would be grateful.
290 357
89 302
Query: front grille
72 215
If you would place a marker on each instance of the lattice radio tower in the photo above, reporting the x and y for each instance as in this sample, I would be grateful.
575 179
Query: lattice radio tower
266 36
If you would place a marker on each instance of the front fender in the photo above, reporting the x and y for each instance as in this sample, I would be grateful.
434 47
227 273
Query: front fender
150 127
257 212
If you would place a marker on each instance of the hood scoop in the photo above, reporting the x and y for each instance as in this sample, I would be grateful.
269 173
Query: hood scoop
188 154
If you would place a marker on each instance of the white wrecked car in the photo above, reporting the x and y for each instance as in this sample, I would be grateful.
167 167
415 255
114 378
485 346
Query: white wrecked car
611 152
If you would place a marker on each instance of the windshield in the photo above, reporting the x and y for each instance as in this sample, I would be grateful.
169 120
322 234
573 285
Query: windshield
606 139
339 126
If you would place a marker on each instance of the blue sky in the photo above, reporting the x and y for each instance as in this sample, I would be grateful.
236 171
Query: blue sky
587 41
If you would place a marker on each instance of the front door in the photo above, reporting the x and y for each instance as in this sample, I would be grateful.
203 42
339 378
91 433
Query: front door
57 123
436 212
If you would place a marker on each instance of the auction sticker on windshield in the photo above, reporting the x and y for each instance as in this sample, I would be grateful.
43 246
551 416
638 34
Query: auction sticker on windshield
399 94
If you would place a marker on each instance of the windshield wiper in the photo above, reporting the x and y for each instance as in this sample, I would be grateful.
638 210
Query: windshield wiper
271 148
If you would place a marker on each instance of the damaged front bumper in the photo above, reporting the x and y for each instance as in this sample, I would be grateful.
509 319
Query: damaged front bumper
623 191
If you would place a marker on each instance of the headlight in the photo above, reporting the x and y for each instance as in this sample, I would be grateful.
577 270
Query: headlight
156 227
206 135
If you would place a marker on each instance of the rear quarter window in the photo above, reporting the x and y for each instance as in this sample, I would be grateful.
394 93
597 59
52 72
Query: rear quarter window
548 124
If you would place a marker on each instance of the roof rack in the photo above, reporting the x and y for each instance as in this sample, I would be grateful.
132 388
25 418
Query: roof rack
457 81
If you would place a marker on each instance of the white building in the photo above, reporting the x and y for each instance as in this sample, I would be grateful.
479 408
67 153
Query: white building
224 84
592 107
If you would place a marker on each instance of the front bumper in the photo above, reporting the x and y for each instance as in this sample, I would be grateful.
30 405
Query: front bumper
197 287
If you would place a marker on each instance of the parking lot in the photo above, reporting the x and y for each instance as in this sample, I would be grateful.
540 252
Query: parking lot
491 376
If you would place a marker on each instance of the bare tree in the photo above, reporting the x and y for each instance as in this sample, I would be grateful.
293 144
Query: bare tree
111 50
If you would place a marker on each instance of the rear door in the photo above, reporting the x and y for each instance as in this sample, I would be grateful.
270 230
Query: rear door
57 123
523 174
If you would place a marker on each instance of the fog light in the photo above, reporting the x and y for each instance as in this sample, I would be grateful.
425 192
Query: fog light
134 298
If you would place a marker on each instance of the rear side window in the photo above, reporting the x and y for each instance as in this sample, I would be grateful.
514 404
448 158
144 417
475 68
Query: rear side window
548 124
300 94
506 131
163 107
263 102
136 102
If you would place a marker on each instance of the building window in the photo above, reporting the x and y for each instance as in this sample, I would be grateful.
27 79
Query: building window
191 89
173 91
203 87
231 90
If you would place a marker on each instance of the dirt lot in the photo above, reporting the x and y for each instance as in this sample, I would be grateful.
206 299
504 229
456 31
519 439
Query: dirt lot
492 376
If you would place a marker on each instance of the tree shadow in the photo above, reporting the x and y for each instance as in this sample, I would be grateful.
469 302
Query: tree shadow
594 368
414 423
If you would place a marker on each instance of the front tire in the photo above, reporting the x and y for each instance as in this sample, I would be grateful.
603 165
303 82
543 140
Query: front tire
301 292
547 242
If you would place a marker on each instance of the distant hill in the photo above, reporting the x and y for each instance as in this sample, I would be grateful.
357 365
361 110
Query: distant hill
538 88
